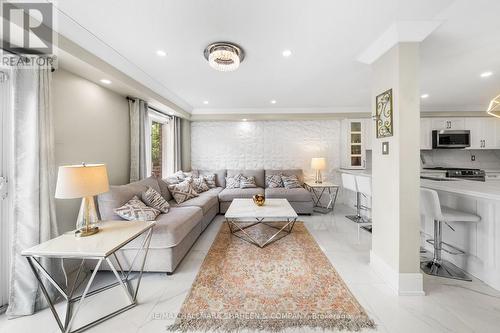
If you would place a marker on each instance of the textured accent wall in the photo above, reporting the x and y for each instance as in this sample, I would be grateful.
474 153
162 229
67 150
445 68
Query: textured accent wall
265 144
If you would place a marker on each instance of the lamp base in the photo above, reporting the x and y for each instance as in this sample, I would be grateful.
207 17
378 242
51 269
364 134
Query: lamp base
318 179
86 232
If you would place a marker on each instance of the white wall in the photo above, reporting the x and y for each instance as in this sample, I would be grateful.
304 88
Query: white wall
91 125
265 144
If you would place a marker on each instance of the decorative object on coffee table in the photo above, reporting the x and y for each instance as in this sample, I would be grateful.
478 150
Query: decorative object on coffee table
333 190
243 214
114 235
290 284
259 199
83 181
318 164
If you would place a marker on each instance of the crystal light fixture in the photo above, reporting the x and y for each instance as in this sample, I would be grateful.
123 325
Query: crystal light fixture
224 56
494 107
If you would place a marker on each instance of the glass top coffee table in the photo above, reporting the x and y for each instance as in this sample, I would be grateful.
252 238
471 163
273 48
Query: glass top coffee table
277 214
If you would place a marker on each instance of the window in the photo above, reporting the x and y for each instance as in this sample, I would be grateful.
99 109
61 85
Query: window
157 146
156 149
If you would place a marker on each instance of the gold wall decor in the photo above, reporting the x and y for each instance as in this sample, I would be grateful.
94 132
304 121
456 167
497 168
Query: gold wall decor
384 114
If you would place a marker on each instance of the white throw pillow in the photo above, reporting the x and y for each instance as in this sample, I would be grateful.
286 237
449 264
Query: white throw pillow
183 191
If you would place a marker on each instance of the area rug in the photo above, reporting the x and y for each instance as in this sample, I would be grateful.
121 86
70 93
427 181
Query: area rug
288 284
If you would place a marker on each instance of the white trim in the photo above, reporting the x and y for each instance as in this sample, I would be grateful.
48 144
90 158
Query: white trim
335 109
399 32
403 284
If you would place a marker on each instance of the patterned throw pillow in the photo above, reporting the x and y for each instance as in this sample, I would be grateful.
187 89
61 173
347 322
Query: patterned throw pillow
210 180
233 182
291 181
183 191
181 175
199 184
247 182
136 210
155 200
274 181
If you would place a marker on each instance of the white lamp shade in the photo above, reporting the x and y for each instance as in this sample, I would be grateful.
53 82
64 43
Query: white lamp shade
318 163
79 181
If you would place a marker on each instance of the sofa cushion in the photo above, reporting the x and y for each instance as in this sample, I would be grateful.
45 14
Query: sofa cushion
242 193
214 191
287 172
136 210
292 194
220 176
171 228
117 196
205 201
258 174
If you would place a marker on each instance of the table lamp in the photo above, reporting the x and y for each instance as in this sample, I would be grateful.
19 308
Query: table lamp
318 164
83 181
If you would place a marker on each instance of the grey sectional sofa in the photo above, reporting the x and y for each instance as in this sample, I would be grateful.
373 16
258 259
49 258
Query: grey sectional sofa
176 231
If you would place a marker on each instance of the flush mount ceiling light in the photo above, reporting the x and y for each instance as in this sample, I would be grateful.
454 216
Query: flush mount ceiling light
105 81
486 74
494 107
287 53
424 95
161 53
224 56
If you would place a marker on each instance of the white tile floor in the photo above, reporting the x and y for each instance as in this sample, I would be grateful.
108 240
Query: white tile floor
449 306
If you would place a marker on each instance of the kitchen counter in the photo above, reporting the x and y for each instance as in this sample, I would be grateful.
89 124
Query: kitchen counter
356 172
489 190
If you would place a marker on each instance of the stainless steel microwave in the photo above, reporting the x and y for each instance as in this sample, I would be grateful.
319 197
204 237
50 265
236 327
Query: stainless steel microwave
450 139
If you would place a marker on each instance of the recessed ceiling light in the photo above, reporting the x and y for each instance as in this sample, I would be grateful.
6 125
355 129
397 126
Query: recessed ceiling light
105 81
486 74
161 53
287 53
205 102
244 119
273 101
424 95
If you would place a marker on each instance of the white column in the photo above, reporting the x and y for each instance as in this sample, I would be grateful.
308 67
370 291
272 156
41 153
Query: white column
396 176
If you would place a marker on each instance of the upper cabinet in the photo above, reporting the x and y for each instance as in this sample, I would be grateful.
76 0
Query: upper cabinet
368 132
484 132
426 133
448 123
353 150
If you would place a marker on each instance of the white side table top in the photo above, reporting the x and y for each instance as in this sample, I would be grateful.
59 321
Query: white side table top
112 235
311 183
273 208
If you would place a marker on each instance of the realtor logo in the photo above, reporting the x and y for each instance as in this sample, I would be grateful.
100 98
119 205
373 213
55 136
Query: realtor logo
27 28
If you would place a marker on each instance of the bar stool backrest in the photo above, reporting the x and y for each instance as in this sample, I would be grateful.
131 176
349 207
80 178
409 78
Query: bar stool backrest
364 185
349 182
430 205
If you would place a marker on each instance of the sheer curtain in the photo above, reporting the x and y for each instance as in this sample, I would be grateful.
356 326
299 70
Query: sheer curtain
174 143
140 132
33 179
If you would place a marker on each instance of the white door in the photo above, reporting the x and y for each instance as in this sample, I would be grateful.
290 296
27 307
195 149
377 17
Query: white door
5 134
476 133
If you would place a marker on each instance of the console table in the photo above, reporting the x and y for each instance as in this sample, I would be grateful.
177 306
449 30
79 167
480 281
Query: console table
99 248
331 188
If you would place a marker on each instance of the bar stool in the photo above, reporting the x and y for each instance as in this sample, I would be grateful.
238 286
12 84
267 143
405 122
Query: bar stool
349 183
365 188
431 208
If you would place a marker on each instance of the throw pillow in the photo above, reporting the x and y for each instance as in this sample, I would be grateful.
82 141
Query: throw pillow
199 184
233 182
210 180
274 181
183 191
181 175
155 200
136 210
291 181
247 182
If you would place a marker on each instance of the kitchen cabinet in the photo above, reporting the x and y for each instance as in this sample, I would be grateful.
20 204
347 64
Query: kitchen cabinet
448 123
483 132
368 132
353 150
426 133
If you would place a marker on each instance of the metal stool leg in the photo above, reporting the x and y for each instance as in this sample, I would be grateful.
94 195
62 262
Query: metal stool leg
356 218
439 267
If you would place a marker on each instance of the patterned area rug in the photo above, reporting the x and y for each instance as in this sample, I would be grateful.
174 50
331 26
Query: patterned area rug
290 283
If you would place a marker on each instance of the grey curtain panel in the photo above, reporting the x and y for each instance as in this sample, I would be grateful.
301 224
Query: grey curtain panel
33 180
139 130
174 158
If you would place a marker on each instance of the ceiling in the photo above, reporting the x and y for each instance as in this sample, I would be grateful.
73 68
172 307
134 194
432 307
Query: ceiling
325 37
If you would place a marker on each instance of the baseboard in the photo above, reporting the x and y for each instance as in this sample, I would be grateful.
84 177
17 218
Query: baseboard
403 284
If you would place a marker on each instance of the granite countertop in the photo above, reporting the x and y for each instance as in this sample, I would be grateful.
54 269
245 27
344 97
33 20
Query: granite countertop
483 190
